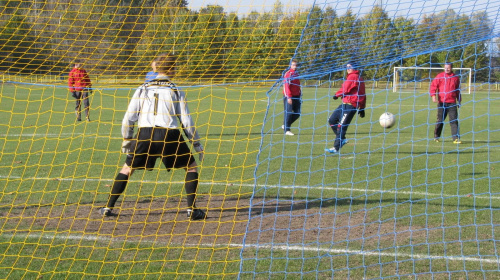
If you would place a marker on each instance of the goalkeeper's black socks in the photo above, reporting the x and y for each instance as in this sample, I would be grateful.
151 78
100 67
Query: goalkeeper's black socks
190 185
119 186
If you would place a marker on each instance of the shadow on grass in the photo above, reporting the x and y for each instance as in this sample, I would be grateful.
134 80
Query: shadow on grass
288 204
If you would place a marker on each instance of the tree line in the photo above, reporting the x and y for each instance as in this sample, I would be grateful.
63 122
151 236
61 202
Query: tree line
122 37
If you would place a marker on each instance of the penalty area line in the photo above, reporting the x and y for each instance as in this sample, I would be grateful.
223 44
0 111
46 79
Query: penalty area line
234 184
339 252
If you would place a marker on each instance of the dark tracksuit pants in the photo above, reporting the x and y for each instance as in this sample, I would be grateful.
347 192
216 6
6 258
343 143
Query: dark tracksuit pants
82 96
339 122
292 111
445 109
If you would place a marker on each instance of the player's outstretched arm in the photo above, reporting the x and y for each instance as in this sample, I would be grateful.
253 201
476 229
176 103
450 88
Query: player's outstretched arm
131 116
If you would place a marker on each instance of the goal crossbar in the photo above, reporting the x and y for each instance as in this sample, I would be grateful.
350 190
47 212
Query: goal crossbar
395 80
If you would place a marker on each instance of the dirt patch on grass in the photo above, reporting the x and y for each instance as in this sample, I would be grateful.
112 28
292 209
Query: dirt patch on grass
282 222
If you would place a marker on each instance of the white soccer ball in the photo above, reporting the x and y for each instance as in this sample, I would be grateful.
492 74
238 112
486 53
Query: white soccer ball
387 120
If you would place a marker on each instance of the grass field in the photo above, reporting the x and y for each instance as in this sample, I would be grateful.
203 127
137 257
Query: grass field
393 203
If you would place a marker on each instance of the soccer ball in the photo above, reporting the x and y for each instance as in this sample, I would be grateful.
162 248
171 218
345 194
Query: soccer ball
387 120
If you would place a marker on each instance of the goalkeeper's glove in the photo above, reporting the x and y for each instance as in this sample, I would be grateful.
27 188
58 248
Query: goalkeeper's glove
361 113
73 93
127 145
199 149
335 97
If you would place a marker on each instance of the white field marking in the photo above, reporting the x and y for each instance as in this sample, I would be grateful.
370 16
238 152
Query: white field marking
377 106
245 139
92 237
58 135
234 184
255 139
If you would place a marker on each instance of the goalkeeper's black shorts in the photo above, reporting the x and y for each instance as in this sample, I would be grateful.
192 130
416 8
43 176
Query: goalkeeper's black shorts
155 142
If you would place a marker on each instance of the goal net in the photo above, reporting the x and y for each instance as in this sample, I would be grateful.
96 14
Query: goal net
411 78
393 203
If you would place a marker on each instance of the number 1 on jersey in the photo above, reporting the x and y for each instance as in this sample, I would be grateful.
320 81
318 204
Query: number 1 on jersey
156 104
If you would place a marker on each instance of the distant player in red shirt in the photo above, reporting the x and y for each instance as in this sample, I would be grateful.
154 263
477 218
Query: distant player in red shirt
447 86
353 97
80 86
291 97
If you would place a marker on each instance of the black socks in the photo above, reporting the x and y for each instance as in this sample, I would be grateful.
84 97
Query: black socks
119 186
190 185
121 180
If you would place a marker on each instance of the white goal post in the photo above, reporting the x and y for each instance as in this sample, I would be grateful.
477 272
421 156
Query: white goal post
464 88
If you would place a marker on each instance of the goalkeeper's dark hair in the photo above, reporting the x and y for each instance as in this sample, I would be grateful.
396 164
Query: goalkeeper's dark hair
165 63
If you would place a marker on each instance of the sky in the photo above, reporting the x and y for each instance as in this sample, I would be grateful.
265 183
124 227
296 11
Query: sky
405 8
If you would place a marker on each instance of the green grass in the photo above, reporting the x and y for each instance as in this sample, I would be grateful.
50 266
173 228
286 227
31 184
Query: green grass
392 203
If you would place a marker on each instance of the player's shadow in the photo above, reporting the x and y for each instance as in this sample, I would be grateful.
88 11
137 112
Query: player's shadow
287 205
467 151
242 134
474 173
483 142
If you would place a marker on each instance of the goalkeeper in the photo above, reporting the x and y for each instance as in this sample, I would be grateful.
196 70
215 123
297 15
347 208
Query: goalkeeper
353 96
156 106
80 86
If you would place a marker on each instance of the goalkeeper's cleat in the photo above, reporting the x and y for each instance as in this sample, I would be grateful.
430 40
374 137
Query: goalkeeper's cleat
88 119
78 119
343 142
196 214
289 133
331 151
436 140
457 141
283 127
105 212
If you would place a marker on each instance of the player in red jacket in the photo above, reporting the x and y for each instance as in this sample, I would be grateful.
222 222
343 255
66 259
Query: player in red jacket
353 97
291 97
447 86
80 86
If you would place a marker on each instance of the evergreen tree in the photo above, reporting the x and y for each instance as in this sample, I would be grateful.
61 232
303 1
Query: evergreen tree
15 41
378 43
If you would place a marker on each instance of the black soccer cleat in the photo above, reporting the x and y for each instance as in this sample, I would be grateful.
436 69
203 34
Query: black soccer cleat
106 212
196 214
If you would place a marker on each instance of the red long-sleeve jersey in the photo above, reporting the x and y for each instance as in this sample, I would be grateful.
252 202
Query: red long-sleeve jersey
291 84
353 91
78 79
448 88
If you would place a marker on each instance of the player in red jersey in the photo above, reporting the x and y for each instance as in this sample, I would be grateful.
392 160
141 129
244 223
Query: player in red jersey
80 86
353 97
291 97
447 86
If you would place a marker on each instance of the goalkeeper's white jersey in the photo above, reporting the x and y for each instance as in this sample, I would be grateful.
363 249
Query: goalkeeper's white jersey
159 103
